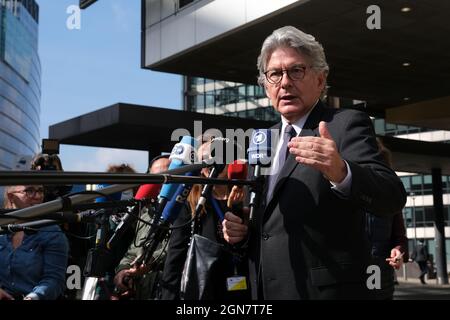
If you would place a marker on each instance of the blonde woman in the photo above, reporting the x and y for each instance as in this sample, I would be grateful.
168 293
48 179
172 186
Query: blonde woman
32 265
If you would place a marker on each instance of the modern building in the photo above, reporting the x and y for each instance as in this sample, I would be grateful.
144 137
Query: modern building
20 81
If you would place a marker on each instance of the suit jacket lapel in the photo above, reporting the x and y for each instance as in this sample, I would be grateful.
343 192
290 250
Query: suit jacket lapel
308 130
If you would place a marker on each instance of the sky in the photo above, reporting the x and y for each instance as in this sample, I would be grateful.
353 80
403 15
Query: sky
94 67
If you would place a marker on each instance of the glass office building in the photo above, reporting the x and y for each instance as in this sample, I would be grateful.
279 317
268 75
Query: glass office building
20 81
226 98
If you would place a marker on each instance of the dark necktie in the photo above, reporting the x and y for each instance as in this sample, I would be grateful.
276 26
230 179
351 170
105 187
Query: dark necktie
289 133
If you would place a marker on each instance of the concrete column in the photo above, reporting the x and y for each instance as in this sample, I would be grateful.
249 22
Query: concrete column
441 261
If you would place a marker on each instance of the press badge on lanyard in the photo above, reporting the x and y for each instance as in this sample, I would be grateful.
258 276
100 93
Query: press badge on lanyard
236 283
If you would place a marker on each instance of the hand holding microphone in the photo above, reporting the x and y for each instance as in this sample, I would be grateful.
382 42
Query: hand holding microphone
233 226
237 170
124 278
236 196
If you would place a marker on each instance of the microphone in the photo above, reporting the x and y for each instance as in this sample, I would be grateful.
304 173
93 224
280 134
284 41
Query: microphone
259 155
148 191
145 191
57 204
112 197
52 219
122 227
238 170
27 226
171 211
216 156
174 206
260 149
159 230
70 217
183 153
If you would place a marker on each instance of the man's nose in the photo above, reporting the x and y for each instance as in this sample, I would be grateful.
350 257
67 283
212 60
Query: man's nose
285 80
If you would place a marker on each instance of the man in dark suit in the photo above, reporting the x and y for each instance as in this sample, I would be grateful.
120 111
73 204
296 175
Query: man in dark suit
307 240
420 255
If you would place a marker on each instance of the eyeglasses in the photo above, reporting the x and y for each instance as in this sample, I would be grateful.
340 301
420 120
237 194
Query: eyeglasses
294 73
31 192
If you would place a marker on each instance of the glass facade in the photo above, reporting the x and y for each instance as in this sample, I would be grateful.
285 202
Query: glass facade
385 128
20 81
417 185
227 98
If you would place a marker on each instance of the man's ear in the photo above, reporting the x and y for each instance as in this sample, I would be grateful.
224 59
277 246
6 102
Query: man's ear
321 80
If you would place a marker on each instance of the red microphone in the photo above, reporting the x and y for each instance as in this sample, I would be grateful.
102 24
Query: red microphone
148 191
238 169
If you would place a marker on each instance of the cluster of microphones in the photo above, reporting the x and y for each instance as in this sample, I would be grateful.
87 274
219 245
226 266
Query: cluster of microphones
167 200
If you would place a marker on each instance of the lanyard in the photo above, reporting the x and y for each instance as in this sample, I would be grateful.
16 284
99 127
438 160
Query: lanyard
217 208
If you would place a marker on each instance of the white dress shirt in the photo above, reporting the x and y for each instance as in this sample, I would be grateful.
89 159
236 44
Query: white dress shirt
342 188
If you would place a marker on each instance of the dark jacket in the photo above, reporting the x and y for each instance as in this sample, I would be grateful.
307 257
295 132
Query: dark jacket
308 242
420 253
209 227
385 234
146 286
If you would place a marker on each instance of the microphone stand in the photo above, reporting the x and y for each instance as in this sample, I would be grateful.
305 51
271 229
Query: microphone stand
206 192
27 226
255 191
67 202
98 260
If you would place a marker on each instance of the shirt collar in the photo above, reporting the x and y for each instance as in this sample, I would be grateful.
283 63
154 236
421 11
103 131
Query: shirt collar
298 125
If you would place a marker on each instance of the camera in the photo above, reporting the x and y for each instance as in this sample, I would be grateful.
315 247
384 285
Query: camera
50 146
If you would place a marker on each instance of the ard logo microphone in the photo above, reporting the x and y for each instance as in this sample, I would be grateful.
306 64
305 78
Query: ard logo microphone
259 156
260 150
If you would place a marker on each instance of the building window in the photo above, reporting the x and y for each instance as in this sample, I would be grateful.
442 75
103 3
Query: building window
407 216
427 184
406 183
416 185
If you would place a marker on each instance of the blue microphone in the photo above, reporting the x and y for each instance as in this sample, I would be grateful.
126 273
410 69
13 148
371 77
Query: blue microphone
159 228
112 197
174 206
183 153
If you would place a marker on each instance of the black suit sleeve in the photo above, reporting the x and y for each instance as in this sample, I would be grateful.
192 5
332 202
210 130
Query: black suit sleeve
375 187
